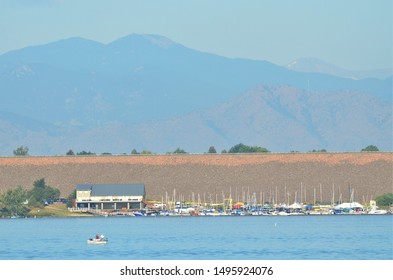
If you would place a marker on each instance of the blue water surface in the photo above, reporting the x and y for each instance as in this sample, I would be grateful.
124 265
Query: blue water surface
348 237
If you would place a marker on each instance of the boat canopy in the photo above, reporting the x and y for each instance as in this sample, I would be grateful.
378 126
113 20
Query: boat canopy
295 205
350 205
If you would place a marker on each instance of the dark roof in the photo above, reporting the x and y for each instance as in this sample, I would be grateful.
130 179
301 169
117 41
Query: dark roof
113 189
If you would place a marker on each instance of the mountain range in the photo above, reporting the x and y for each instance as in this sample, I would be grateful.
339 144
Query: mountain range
148 92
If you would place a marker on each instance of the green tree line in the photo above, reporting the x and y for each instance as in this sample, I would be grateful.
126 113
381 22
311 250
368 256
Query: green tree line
385 200
239 148
19 201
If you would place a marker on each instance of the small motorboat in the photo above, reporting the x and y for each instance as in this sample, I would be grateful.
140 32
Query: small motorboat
99 240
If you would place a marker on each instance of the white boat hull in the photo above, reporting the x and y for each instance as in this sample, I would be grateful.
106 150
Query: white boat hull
97 241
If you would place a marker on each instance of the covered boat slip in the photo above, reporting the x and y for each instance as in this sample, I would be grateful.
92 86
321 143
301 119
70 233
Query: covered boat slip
109 205
110 197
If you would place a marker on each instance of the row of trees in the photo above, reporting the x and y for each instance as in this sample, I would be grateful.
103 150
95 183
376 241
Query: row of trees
19 201
385 200
239 148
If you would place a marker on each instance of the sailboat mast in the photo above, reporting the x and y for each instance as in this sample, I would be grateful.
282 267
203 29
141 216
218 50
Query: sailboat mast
314 195
320 192
333 194
301 192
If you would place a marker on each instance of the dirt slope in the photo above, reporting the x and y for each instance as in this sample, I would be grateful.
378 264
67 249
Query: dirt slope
267 175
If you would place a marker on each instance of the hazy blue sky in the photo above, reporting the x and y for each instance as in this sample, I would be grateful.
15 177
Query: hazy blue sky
352 34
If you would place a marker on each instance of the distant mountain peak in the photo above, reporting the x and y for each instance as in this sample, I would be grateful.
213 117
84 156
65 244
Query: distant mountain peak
73 42
155 40
315 65
158 40
312 64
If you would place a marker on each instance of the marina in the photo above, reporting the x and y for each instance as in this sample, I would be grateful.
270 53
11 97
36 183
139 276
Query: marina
266 210
241 209
130 200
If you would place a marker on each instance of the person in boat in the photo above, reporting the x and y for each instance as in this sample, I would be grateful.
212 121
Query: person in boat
97 237
102 237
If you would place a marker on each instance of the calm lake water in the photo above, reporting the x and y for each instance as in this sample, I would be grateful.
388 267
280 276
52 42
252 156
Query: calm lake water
357 237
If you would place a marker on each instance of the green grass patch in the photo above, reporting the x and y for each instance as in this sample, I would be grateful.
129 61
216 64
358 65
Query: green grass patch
54 210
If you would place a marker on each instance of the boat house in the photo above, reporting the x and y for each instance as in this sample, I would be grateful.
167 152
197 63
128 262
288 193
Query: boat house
109 197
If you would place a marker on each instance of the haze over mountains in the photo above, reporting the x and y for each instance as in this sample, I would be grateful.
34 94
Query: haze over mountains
148 92
310 64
